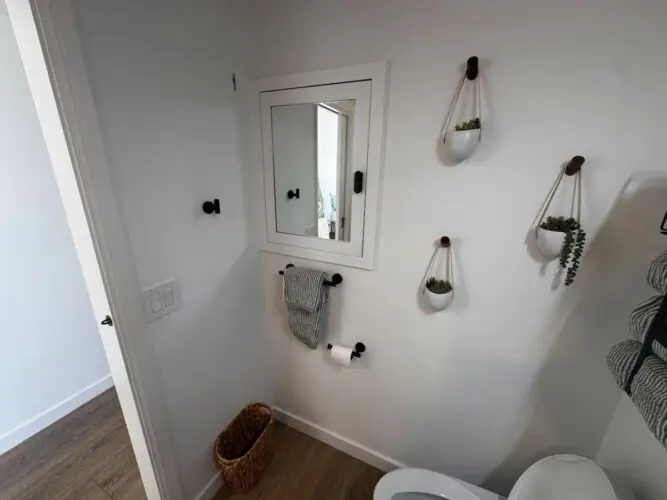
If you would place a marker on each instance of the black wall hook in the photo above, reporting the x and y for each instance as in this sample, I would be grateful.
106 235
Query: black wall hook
575 165
359 349
336 279
473 68
211 207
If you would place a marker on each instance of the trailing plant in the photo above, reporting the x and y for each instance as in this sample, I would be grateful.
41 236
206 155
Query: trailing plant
473 124
573 244
438 286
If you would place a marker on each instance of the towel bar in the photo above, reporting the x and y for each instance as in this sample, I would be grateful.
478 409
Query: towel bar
336 279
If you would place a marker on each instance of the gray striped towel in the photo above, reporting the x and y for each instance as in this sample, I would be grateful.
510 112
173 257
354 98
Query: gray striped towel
307 303
649 387
304 288
649 393
640 320
621 359
657 273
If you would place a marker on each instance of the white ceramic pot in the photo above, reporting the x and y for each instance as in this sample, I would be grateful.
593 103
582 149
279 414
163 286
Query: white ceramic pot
461 144
439 301
549 243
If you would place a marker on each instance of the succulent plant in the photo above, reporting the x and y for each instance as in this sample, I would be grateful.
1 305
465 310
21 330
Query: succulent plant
438 286
573 244
473 124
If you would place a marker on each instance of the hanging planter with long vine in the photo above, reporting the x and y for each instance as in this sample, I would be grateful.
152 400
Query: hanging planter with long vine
439 293
560 237
462 141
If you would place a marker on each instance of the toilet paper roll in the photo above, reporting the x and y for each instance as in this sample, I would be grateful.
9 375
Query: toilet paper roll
342 354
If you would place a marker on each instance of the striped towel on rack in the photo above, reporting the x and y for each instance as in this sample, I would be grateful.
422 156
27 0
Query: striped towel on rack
649 393
621 359
640 321
307 303
649 387
657 273
304 288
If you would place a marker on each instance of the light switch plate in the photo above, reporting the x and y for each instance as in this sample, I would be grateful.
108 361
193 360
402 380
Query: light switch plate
161 299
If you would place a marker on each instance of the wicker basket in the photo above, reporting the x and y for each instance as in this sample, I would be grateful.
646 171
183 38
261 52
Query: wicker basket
243 449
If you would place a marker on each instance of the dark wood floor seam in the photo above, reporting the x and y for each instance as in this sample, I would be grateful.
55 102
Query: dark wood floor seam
102 488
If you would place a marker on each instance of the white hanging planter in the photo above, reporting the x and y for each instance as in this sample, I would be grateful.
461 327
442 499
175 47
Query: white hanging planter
439 301
462 140
461 144
552 232
549 243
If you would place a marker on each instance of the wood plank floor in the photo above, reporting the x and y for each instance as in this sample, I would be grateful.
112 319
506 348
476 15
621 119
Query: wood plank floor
86 455
303 468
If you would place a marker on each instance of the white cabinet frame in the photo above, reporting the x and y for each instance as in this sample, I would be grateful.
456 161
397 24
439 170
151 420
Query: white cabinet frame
367 152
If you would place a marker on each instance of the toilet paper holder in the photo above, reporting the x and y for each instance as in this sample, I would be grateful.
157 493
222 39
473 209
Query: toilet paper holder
359 349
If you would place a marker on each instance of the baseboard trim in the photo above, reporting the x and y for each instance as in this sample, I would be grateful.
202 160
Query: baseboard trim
41 421
348 446
211 488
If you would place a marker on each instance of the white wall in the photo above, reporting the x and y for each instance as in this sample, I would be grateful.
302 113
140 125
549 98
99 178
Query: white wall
51 360
161 77
631 450
514 370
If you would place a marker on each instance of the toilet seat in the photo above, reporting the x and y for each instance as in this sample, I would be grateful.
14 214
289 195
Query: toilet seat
553 478
421 481
565 476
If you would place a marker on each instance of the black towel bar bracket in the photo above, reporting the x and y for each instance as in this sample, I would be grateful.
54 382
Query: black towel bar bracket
336 279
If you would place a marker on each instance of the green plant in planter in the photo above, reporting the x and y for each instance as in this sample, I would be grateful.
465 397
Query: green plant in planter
438 286
473 124
573 244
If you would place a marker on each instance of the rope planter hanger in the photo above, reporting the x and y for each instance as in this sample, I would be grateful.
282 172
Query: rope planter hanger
562 238
439 293
463 139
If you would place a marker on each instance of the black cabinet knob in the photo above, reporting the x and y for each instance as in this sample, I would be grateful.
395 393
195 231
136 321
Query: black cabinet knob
293 194
358 182
107 321
211 207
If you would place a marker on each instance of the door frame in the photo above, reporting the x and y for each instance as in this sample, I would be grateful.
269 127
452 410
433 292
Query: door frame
51 52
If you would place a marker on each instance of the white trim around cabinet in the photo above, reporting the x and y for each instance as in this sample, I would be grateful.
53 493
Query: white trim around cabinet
361 250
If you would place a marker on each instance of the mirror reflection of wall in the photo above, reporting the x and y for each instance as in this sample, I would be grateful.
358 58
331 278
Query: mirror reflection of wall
312 168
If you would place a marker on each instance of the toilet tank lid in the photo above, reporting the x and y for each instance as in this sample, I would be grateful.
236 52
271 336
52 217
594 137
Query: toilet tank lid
563 476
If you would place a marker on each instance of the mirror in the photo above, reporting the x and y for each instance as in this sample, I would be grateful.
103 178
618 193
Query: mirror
320 136
312 145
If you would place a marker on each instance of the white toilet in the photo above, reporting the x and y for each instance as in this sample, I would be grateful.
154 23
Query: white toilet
552 478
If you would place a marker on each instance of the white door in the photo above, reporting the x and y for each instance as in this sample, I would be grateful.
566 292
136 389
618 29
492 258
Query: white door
86 191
